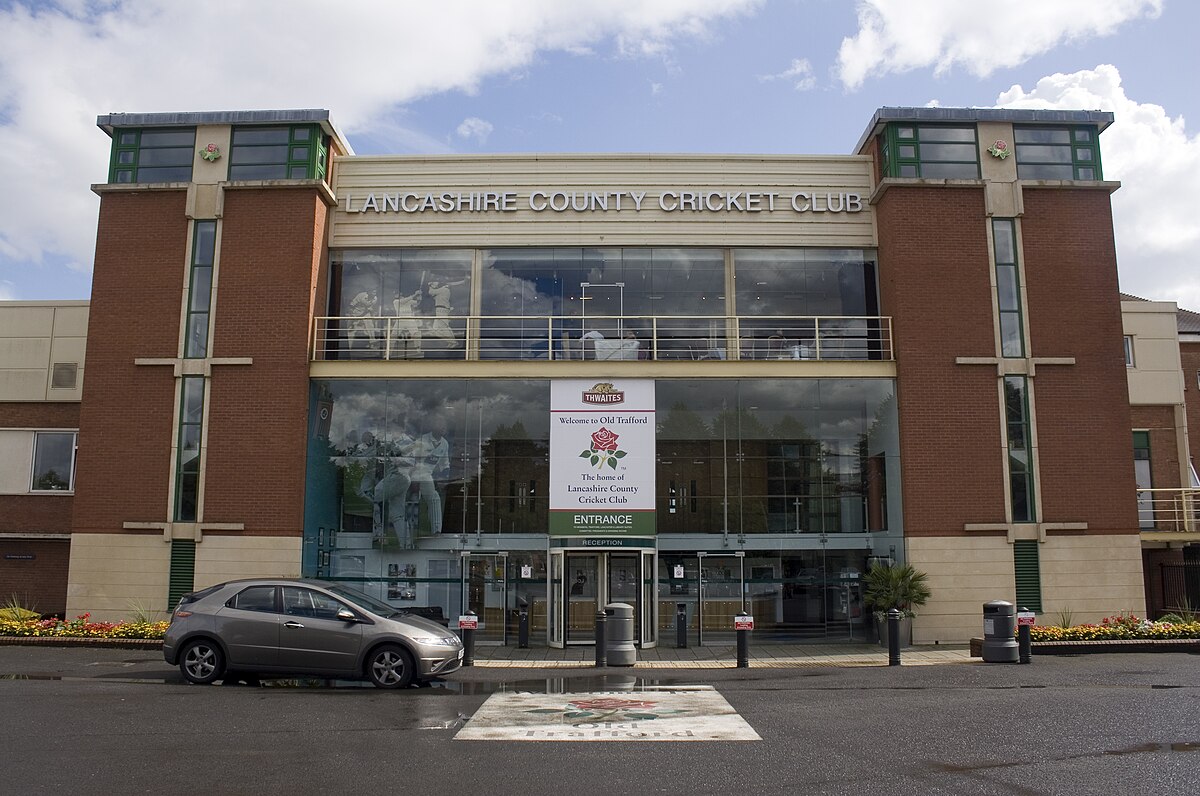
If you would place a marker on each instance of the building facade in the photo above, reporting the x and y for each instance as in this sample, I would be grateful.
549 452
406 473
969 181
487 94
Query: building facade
694 384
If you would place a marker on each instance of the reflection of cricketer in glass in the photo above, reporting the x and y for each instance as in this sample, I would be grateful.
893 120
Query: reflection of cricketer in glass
439 327
364 305
431 462
406 329
391 493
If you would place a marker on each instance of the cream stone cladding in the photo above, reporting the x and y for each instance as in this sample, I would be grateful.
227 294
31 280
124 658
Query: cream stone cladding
1156 377
1090 576
358 176
220 558
34 337
114 574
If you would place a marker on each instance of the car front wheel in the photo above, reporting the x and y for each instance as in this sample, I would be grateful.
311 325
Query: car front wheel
390 666
202 662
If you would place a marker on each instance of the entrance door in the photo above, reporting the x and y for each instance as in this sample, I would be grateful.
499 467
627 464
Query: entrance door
582 582
485 591
722 595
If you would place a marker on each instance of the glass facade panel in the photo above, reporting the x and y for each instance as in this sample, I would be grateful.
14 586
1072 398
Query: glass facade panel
1062 153
961 152
950 171
1020 466
260 135
260 154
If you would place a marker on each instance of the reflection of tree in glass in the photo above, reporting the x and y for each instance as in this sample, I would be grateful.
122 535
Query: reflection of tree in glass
50 480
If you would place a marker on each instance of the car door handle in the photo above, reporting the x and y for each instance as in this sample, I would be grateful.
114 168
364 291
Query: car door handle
292 624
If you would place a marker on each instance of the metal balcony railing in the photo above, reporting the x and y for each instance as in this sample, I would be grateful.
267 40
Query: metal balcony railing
629 337
1169 510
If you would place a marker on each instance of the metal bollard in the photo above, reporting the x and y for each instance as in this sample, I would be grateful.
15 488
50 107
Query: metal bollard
743 641
601 652
468 639
893 620
1024 642
681 625
523 626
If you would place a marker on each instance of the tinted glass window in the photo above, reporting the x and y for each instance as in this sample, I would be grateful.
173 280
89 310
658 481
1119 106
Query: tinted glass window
254 598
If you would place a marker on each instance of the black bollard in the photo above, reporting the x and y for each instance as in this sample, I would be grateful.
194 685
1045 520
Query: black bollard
681 625
468 639
743 624
601 652
523 625
1024 641
893 620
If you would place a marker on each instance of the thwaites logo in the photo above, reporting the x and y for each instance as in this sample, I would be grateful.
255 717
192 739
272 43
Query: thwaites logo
603 393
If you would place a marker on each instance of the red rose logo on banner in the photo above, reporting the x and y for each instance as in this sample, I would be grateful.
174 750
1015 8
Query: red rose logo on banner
603 449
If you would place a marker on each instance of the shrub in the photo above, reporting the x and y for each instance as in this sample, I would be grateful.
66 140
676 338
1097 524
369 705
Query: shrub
1117 628
80 627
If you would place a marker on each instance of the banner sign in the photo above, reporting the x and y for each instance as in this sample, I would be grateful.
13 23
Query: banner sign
602 440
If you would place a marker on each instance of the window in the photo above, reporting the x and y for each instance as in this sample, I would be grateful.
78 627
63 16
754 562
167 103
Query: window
1144 479
187 468
200 289
1008 288
53 461
152 155
1057 153
1129 363
306 602
278 153
1020 448
254 598
931 151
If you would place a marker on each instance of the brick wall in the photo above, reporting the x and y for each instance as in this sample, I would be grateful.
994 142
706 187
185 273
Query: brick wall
39 415
935 283
1074 310
126 418
38 583
272 253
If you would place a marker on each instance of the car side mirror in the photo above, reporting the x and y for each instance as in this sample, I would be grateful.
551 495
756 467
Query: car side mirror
346 616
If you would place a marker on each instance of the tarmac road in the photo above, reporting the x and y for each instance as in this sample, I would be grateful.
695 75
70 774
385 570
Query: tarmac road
119 721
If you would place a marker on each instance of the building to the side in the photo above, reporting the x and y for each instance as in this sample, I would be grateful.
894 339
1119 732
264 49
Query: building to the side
697 383
1164 397
41 375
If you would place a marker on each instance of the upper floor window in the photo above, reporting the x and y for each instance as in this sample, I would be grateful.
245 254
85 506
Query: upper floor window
1129 363
931 151
53 461
152 155
1057 153
297 152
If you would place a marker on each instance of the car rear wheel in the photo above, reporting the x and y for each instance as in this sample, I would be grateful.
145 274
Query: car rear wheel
390 666
202 662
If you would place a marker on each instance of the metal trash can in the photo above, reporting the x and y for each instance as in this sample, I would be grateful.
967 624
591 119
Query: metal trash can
618 634
999 632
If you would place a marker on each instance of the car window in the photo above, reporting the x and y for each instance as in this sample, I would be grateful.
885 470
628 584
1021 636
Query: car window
306 602
254 598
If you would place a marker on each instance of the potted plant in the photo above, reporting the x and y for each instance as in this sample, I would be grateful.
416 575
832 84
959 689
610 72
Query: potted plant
897 586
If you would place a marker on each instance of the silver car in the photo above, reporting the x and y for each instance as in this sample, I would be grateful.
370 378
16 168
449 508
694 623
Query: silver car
279 626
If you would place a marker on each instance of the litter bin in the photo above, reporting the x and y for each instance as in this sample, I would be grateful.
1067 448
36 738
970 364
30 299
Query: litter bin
999 628
618 634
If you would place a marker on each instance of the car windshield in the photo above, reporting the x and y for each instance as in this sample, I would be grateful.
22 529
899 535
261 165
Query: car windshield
364 600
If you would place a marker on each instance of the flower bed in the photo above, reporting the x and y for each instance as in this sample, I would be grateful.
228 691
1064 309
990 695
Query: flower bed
1123 627
81 627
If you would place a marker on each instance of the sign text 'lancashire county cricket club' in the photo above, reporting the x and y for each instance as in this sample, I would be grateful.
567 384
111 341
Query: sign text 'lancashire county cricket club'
602 440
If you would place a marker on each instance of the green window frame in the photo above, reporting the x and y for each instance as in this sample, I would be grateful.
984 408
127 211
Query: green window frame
181 577
152 155
931 151
200 279
1069 152
1022 499
1008 288
295 152
1027 571
187 463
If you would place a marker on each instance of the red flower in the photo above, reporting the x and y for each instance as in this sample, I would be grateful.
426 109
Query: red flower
611 703
604 440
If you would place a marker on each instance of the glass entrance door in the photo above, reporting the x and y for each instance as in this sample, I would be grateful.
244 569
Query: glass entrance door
582 582
583 598
722 595
485 591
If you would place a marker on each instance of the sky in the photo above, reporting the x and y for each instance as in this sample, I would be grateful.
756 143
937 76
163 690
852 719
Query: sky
646 76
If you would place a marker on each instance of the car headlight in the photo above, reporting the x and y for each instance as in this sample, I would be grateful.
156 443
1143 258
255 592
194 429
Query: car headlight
438 641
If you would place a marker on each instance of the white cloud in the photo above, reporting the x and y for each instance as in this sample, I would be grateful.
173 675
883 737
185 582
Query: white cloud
799 74
63 65
476 128
1156 213
901 35
655 88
